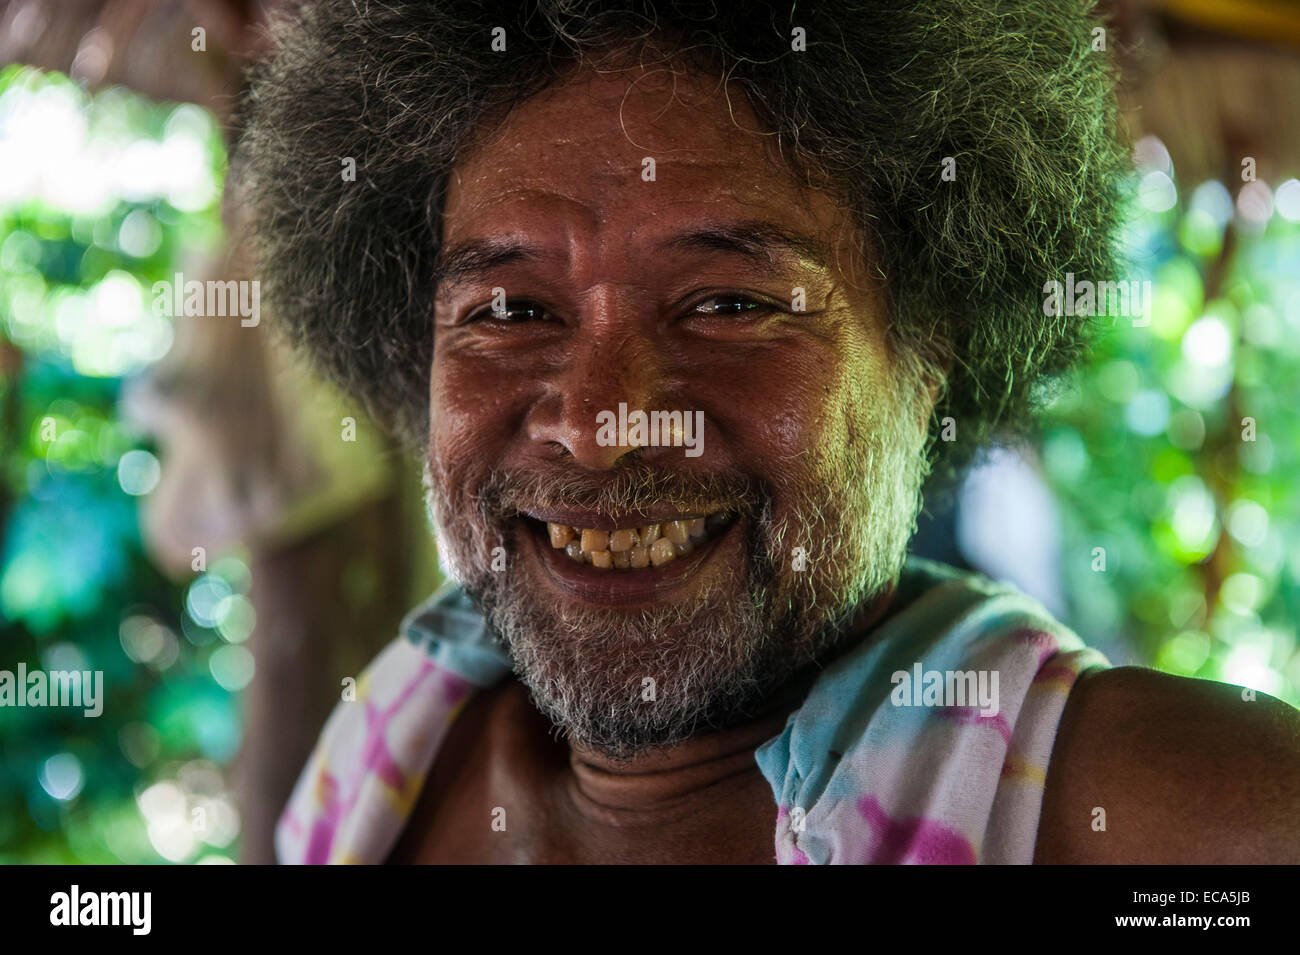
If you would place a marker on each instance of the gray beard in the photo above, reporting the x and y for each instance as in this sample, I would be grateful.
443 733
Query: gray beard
623 681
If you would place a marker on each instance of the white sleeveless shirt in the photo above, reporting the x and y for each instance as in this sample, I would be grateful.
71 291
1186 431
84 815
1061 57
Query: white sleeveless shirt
927 743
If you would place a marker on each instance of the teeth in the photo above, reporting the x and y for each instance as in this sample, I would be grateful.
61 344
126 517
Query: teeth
635 548
622 540
661 552
593 541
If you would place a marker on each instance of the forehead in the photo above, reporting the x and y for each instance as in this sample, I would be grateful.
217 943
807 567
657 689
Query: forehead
575 159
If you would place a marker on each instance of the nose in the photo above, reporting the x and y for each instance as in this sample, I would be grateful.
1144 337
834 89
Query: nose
612 359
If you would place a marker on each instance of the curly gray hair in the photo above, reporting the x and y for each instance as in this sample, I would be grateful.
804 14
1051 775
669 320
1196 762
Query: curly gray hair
1012 92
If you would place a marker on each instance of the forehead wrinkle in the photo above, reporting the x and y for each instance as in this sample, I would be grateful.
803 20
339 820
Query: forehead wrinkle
514 183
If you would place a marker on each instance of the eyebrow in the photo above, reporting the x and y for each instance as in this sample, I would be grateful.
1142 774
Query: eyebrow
761 242
478 257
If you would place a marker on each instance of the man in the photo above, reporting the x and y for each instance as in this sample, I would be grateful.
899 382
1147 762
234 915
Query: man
684 304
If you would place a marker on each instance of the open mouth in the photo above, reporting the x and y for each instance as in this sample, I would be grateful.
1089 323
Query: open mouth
632 558
638 546
626 543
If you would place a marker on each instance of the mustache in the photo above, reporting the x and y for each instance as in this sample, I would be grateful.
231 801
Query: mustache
505 493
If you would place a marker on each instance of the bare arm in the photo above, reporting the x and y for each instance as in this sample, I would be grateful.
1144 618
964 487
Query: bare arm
1186 771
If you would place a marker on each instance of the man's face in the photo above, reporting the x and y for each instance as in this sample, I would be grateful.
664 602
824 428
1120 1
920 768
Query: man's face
651 247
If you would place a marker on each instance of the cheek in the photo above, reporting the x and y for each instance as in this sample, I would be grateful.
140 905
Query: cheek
465 414
799 416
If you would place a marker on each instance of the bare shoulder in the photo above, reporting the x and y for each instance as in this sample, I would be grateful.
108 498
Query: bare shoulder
1176 770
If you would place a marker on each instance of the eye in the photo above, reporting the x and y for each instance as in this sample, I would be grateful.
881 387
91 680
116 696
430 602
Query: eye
515 312
733 303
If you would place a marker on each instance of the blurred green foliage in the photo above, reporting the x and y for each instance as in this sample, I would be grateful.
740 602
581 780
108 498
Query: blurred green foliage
101 196
1175 451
